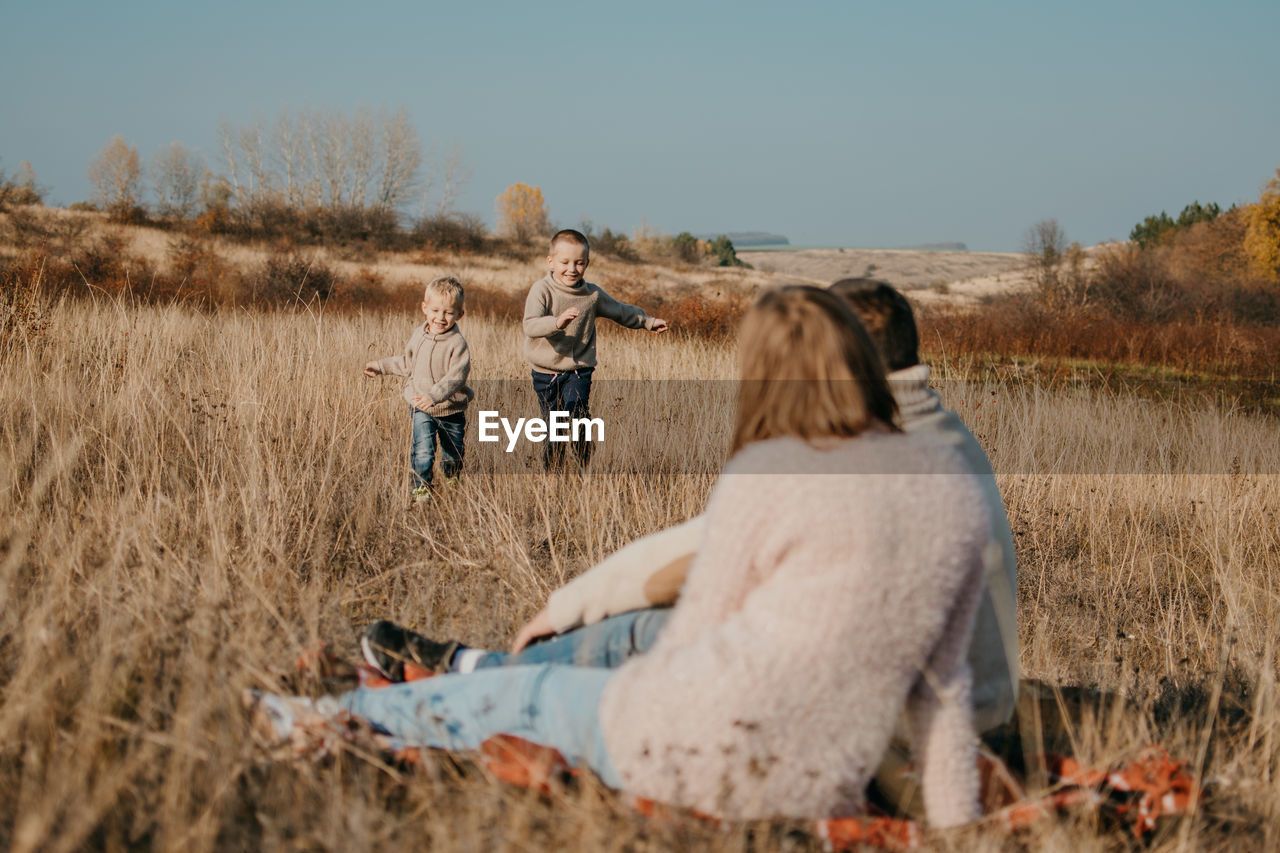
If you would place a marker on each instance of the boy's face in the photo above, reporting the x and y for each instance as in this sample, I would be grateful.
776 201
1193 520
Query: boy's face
568 262
441 312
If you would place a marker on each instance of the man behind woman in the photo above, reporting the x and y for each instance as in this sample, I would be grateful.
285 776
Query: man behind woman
835 587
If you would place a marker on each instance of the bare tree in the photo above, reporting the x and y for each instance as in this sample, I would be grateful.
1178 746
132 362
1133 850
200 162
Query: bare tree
328 158
454 177
1044 244
363 149
401 159
253 152
175 180
226 140
329 135
289 151
116 177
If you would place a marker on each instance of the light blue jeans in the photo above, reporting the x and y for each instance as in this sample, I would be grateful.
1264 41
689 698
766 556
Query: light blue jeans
555 706
607 643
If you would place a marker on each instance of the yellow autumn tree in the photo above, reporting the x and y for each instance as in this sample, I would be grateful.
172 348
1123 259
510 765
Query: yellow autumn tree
1262 238
522 213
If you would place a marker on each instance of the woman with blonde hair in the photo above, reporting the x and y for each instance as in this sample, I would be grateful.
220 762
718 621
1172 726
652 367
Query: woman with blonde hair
835 589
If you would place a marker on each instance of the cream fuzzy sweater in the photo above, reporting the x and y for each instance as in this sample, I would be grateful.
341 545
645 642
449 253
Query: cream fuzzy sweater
552 350
620 582
817 609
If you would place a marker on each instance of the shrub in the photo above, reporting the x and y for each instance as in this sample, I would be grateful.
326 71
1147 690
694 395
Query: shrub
615 244
23 310
724 253
287 277
450 232
685 247
20 189
200 273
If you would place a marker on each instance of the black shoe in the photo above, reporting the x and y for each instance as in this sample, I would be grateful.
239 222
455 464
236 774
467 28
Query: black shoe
387 647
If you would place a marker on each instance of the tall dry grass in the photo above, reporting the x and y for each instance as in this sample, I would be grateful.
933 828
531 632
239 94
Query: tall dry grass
188 500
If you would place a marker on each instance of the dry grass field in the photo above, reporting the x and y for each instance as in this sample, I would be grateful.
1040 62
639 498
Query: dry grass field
189 499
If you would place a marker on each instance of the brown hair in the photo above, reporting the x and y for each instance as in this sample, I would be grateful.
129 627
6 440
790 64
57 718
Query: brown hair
887 316
571 236
807 369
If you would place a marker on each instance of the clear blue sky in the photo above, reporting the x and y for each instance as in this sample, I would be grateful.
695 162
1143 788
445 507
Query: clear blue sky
854 123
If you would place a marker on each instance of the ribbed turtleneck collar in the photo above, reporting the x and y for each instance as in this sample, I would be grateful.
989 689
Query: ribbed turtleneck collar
577 290
910 389
447 333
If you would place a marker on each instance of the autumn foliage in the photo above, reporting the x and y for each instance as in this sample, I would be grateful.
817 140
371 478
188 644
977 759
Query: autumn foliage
1262 239
522 213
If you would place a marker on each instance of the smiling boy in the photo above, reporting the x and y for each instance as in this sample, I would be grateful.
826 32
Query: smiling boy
560 334
435 365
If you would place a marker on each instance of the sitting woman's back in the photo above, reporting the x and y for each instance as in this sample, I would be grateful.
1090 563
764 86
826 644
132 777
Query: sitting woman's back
837 584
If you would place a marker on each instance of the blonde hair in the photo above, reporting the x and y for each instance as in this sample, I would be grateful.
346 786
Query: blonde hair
445 285
808 369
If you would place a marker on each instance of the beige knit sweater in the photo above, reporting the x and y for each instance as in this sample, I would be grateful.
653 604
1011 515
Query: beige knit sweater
552 350
435 367
817 608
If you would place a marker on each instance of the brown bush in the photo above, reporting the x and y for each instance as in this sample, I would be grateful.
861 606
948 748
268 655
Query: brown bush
288 277
496 304
1023 327
456 232
24 313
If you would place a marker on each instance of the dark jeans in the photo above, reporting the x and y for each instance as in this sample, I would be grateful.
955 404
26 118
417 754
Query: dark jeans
450 430
564 392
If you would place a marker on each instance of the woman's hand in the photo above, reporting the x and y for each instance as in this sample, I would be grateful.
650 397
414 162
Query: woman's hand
538 626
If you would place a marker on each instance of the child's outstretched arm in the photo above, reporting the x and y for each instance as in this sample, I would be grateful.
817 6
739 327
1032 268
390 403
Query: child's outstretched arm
396 365
630 316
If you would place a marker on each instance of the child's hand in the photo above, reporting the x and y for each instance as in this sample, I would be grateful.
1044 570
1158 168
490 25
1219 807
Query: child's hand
566 317
422 403
660 325
372 369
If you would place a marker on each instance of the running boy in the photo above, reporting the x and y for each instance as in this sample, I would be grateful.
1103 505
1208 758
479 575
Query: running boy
560 334
435 366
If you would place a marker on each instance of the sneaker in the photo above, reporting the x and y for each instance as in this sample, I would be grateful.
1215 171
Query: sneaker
387 647
421 493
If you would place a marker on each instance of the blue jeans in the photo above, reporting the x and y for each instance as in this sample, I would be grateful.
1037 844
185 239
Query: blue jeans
555 706
607 643
450 430
564 392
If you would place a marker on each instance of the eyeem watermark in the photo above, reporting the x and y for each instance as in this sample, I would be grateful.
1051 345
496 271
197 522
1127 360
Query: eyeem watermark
560 427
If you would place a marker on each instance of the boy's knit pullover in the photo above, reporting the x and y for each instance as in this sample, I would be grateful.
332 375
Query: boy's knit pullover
817 608
435 367
552 350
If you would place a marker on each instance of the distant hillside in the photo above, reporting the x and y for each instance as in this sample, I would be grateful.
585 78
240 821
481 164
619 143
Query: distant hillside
748 238
933 247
